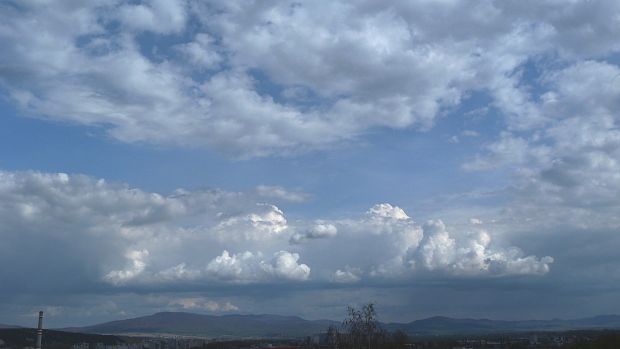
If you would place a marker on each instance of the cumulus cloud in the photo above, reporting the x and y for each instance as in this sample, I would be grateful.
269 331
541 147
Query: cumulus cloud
277 192
320 230
138 263
349 275
437 247
94 67
202 53
266 221
475 221
128 238
471 254
198 303
249 267
387 243
383 212
569 163
158 16
126 235
178 273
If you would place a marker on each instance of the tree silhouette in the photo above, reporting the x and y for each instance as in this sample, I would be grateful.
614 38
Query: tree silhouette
362 327
333 337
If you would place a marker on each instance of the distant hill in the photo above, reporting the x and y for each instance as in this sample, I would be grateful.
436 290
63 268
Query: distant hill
233 326
444 325
9 326
275 326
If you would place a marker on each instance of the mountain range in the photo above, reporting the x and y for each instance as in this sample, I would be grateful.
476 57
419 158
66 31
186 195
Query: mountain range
233 326
277 326
9 326
444 325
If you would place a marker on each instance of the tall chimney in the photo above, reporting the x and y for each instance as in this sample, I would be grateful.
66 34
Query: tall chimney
40 331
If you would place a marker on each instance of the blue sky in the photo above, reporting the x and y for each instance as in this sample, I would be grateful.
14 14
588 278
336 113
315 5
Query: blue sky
437 158
334 178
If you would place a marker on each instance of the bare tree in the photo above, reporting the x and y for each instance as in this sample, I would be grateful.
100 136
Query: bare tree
362 326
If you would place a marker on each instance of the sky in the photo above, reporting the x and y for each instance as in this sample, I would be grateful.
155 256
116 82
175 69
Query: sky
442 157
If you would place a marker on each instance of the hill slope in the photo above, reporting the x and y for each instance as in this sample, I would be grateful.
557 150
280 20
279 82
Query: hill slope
266 326
9 326
275 326
445 325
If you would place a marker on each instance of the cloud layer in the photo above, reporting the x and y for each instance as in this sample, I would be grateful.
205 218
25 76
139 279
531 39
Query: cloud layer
282 77
523 94
127 237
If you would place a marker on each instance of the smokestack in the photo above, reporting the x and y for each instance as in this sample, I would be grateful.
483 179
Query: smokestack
40 331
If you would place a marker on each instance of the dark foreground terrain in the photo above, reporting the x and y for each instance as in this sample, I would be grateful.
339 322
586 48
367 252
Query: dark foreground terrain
18 338
25 337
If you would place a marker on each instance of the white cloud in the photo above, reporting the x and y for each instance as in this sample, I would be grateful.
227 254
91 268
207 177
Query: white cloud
201 53
566 169
277 192
320 230
414 67
437 248
381 212
471 254
127 237
346 276
178 273
264 222
285 265
276 78
160 16
475 221
198 303
236 267
249 267
136 267
508 150
387 243
123 235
